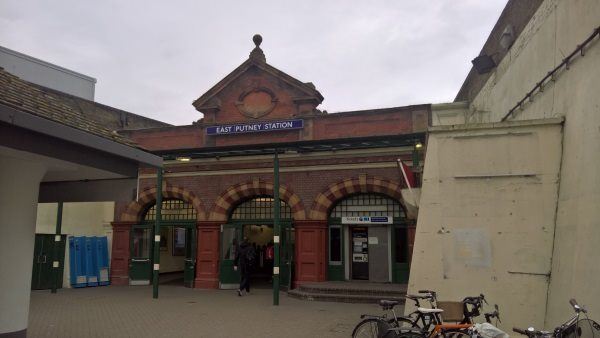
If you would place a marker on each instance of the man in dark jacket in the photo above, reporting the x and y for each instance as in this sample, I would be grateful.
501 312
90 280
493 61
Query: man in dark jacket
242 259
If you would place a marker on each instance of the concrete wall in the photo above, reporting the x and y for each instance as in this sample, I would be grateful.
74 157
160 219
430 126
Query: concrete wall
556 30
46 74
566 244
79 219
486 220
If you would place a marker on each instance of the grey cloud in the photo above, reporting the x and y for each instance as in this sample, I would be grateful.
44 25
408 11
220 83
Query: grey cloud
154 58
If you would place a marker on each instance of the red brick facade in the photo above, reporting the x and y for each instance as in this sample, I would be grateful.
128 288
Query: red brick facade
310 183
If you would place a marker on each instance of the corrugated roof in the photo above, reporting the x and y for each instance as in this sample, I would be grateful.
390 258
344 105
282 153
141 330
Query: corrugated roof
22 95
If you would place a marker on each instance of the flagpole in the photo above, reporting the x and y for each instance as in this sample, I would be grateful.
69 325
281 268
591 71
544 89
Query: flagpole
399 161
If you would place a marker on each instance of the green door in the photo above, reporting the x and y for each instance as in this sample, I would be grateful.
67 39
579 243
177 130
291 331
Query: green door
140 263
400 254
190 257
231 235
41 278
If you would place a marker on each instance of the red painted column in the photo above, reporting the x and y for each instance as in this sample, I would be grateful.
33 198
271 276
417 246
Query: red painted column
119 261
207 257
311 251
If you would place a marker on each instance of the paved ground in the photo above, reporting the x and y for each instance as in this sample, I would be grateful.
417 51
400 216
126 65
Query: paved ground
131 312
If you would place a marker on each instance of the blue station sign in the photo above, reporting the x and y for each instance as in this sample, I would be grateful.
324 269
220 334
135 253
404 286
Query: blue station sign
255 127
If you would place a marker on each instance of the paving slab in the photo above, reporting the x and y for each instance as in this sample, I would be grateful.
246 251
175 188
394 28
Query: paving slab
181 312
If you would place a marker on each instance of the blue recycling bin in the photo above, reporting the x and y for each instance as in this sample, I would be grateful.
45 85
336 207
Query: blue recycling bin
91 262
77 262
102 260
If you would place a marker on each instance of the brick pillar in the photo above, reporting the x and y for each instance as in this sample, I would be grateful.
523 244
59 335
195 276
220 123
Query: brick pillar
311 251
119 261
207 258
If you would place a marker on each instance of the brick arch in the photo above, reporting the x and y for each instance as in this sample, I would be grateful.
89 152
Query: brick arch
134 210
361 184
240 191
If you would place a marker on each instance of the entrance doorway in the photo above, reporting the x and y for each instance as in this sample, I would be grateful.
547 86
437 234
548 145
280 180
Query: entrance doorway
253 219
367 239
178 241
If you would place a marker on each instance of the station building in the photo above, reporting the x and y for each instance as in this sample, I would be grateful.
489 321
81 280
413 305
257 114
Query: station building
346 207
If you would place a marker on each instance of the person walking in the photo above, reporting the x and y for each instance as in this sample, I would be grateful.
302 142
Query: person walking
243 259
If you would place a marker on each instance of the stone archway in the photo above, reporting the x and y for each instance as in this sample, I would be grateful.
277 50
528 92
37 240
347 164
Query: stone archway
237 192
134 210
361 184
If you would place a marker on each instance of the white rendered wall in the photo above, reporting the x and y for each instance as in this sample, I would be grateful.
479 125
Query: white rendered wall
20 182
555 31
79 219
487 215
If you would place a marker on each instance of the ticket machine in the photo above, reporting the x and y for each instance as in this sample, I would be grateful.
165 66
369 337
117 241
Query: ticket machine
360 253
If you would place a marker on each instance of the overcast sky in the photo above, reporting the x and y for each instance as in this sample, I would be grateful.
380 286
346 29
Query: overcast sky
154 58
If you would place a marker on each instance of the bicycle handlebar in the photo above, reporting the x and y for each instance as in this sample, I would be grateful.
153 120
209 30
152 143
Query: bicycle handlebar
576 306
521 331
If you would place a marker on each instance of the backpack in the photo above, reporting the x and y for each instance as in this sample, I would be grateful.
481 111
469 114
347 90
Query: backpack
250 257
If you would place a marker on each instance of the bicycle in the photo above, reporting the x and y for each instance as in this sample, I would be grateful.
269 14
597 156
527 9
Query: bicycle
574 327
381 326
369 326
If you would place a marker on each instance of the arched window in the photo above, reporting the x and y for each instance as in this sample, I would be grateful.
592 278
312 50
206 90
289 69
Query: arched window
172 210
258 208
367 205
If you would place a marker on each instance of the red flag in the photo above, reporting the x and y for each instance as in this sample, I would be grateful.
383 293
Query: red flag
409 176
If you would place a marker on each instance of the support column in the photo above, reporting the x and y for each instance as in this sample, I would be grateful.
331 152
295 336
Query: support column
276 229
207 255
20 182
56 278
156 246
311 251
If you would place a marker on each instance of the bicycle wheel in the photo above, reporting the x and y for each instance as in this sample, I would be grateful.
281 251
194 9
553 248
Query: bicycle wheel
372 328
456 333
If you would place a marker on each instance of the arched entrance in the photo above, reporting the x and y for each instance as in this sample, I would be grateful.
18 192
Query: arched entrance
177 244
368 239
252 218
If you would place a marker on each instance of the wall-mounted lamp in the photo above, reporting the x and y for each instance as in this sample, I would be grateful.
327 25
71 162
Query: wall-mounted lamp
418 145
183 159
483 63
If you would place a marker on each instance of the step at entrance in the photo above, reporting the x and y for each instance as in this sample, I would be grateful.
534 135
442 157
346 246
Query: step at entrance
349 292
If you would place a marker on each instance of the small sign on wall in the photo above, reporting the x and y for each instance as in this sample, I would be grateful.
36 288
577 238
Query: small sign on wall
368 220
373 240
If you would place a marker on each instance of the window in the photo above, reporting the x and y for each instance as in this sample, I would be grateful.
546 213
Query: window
367 205
260 208
172 210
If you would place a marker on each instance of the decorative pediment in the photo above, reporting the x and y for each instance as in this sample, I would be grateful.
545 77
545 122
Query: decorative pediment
255 89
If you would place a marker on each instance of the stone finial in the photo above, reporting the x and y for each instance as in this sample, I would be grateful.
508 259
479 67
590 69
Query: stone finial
257 53
257 39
